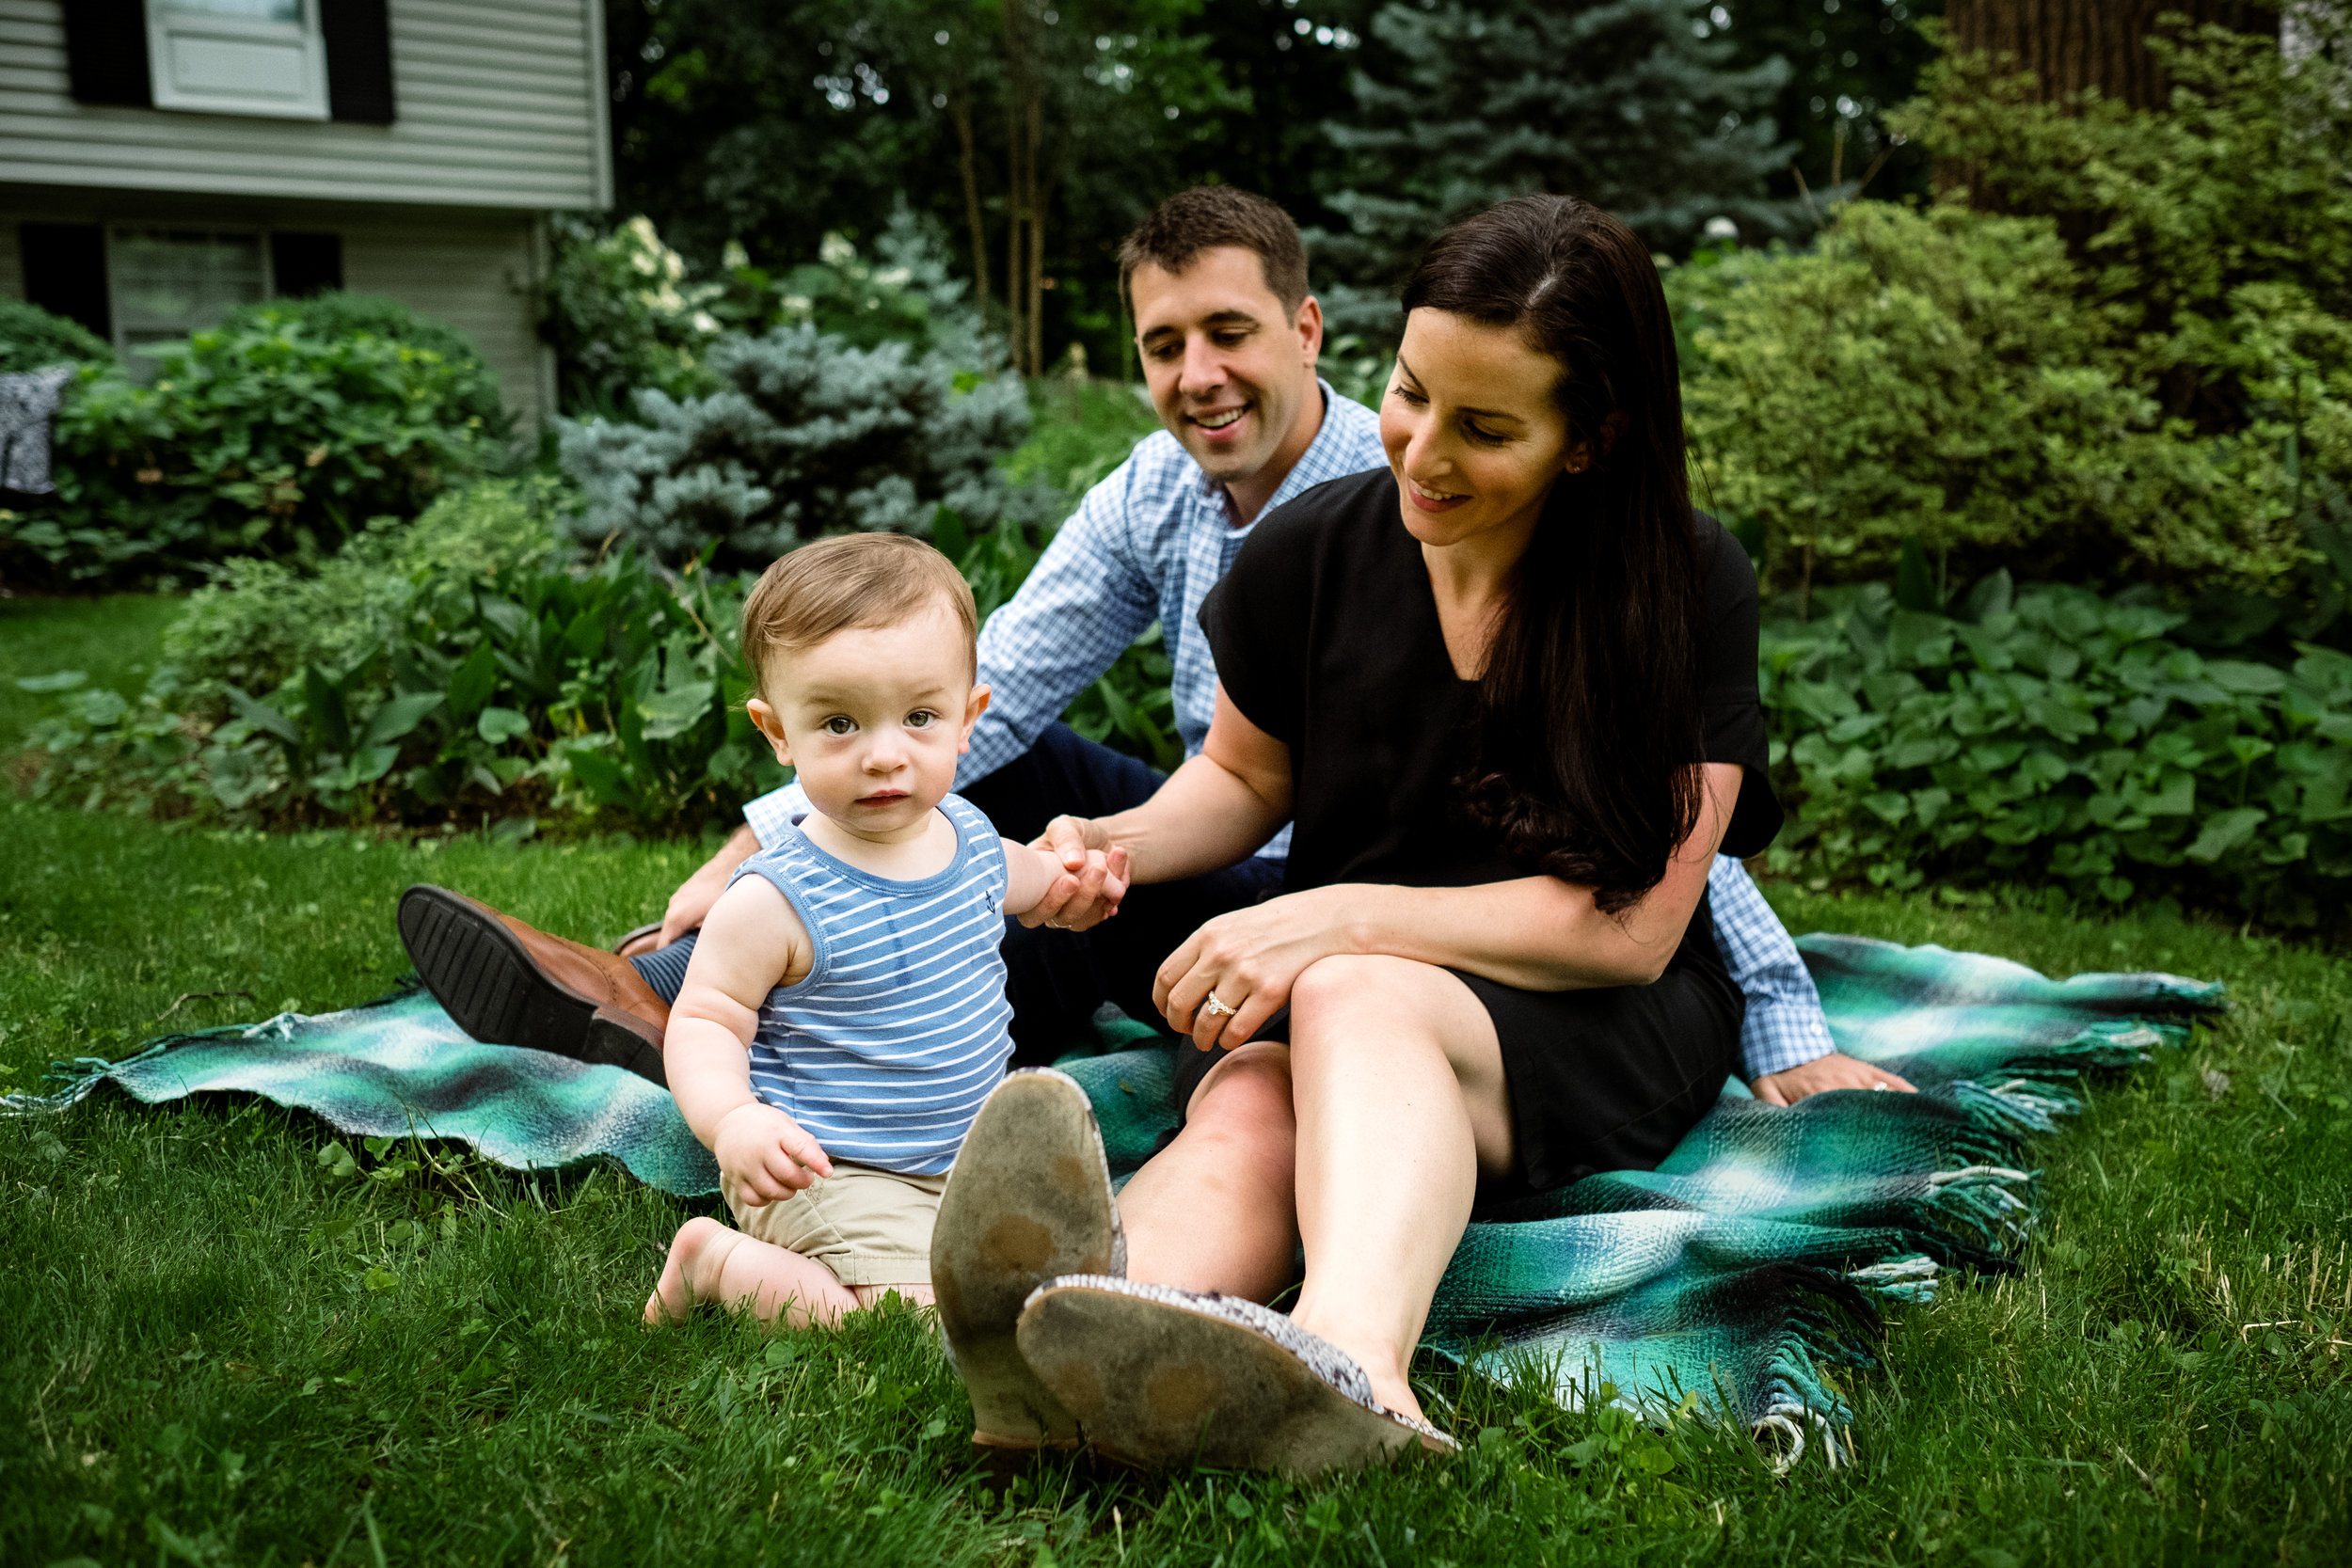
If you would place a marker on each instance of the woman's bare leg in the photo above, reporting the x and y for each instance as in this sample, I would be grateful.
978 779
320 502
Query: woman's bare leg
1215 1209
709 1261
1402 1102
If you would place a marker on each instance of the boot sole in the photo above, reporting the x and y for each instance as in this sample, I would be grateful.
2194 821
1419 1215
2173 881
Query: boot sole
1159 1387
484 979
1029 1198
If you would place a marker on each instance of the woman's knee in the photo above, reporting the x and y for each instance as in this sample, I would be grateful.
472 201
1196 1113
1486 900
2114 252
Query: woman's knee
1355 984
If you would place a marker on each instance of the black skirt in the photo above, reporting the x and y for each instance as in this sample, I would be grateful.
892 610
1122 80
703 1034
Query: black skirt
1605 1078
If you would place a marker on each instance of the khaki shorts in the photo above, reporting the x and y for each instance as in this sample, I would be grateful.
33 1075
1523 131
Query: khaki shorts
869 1226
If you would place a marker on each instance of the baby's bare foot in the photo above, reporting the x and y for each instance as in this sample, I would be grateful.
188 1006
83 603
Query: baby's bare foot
691 1259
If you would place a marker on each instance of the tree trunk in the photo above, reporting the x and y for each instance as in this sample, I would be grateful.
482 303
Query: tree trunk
1024 106
960 109
2072 44
1037 239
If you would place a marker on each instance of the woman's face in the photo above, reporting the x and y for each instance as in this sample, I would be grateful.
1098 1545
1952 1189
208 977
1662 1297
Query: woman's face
1474 434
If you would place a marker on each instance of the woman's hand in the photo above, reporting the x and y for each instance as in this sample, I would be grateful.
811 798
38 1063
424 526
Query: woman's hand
1249 959
1094 884
1833 1071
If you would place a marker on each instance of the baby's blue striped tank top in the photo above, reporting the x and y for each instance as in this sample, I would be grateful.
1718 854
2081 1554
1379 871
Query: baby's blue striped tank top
885 1050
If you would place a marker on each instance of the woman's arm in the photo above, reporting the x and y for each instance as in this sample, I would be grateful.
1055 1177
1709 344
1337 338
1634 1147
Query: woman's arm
1216 810
1536 932
1540 933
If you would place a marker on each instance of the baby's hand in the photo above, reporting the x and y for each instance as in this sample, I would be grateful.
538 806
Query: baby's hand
765 1156
1085 898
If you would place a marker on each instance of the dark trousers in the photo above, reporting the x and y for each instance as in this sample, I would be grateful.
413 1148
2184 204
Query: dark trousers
1058 979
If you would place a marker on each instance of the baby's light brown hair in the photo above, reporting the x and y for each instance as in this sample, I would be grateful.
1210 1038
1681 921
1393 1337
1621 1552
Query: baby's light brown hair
851 582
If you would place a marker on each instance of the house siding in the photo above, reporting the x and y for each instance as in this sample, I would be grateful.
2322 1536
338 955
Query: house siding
478 271
499 106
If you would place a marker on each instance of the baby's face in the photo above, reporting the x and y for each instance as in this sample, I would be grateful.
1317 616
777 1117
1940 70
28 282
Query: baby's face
873 719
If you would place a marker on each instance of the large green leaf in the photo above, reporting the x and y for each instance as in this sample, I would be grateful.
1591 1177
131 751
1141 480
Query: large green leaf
263 717
329 725
472 686
400 715
671 711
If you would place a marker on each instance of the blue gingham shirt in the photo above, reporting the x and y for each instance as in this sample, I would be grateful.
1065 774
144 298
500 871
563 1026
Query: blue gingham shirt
1147 544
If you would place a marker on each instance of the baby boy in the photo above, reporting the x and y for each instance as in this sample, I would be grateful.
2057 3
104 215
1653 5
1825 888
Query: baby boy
844 1014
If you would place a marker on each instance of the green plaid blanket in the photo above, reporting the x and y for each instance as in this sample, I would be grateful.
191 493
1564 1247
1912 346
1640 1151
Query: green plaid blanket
1734 1280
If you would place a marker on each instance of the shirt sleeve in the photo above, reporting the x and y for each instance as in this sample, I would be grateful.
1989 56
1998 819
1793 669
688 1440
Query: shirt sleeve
1256 621
1086 598
775 814
1784 1026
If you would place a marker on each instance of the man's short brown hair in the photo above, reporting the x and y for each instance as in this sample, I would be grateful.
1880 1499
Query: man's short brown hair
1206 216
851 582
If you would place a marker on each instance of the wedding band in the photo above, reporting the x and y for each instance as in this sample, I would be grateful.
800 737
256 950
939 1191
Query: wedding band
1216 1006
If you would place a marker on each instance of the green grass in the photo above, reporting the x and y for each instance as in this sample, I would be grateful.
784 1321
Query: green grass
199 1368
112 639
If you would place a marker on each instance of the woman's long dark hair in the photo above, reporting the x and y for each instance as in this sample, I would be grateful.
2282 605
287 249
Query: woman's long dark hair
1588 736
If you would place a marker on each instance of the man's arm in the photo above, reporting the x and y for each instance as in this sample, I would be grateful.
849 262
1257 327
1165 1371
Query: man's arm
1784 1042
1085 600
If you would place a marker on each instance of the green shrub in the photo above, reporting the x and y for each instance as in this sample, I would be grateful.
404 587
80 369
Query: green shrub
458 669
807 434
32 338
448 669
262 440
337 314
2054 735
1940 376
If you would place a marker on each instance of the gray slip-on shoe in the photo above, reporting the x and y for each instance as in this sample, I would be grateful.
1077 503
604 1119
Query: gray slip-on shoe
1029 1198
1159 1377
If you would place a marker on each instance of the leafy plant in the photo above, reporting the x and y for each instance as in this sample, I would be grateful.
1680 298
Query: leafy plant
339 314
262 440
2055 736
1938 375
31 339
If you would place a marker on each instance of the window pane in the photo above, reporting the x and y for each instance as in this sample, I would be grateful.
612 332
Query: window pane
260 10
170 282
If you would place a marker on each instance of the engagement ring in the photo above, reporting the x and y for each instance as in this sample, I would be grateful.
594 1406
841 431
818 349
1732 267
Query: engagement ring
1881 1084
1216 1006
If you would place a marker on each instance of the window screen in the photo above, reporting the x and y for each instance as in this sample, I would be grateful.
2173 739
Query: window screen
170 282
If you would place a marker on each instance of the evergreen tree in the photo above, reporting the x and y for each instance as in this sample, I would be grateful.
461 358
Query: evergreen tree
1625 103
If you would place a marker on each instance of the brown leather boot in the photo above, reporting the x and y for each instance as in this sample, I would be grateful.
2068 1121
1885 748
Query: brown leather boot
506 983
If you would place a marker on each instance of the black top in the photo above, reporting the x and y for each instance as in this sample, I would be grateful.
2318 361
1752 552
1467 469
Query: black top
1326 636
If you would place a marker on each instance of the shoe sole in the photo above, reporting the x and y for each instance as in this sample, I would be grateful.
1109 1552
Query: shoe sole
484 979
1029 1198
1158 1387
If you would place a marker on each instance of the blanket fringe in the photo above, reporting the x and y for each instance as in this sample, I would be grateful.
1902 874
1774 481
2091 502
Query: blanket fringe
77 1080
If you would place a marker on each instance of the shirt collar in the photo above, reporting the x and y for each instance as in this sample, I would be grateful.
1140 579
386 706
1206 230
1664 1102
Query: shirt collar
1311 461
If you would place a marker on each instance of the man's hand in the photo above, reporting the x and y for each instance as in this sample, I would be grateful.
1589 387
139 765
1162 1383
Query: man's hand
765 1156
690 906
1833 1071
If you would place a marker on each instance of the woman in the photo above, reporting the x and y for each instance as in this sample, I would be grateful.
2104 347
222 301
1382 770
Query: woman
1506 690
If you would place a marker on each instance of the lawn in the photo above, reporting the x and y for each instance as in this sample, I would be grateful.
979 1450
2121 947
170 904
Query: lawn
226 1348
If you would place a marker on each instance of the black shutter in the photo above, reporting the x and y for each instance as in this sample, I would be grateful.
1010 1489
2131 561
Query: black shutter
65 272
106 52
359 38
301 265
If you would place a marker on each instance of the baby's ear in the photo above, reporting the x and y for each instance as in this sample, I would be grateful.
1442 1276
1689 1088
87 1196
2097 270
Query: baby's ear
768 723
976 706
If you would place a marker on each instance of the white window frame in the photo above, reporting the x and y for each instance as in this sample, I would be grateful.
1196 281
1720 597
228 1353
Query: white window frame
166 26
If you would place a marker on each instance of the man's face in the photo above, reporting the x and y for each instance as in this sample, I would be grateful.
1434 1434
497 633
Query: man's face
1228 367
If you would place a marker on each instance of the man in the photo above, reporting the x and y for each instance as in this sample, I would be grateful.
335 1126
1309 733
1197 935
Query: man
1216 281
